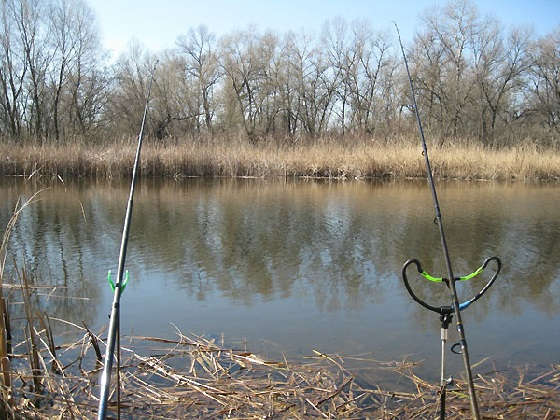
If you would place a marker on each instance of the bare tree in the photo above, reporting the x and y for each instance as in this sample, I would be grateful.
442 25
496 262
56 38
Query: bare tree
48 50
88 81
474 80
247 61
342 61
129 89
500 66
201 64
70 24
370 78
317 84
442 55
544 92
177 102
289 104
28 17
13 70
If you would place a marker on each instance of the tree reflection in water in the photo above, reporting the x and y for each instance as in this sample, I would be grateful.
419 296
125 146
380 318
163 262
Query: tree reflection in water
321 257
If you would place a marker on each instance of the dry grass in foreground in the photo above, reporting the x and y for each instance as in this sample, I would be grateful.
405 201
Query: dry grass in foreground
194 377
397 159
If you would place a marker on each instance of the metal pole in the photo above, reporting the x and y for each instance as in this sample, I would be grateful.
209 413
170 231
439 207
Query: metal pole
115 311
443 380
445 318
459 323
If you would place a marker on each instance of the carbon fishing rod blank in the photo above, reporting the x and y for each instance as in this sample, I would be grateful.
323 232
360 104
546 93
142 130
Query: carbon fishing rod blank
438 219
119 285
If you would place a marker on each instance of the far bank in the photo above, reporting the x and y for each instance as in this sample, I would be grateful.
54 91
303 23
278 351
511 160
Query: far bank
326 159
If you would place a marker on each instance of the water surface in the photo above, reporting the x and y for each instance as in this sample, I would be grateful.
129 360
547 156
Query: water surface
290 267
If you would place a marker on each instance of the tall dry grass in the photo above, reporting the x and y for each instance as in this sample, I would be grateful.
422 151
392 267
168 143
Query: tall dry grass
398 159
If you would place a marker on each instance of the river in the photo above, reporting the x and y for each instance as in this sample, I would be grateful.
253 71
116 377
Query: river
287 267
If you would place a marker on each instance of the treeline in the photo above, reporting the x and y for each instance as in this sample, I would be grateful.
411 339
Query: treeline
476 79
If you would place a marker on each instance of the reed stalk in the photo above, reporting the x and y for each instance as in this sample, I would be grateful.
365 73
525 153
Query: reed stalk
191 376
396 158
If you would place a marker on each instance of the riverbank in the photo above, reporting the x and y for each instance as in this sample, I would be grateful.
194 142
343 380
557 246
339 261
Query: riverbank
327 159
189 376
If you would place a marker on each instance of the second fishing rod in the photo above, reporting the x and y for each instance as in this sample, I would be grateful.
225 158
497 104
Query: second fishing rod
451 283
118 287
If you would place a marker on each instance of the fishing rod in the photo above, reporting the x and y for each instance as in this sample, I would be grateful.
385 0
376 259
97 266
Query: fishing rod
119 286
455 307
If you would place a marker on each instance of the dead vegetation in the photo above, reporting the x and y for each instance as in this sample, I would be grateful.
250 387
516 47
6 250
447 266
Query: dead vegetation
398 158
196 377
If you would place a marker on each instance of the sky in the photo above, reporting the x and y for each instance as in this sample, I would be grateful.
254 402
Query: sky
157 24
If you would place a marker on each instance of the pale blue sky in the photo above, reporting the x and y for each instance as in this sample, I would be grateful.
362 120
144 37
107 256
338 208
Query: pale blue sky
156 24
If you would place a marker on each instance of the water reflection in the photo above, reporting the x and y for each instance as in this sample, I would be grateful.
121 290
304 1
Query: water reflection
345 241
297 261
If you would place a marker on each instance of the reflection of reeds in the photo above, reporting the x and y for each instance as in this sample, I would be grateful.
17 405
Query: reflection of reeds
324 158
195 377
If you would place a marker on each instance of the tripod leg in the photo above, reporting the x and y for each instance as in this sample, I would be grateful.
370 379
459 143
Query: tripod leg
443 381
442 402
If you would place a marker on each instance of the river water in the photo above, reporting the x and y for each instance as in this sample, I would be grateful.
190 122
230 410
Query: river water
287 267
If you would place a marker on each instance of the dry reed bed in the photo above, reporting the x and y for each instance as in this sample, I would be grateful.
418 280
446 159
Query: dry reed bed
398 159
195 377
